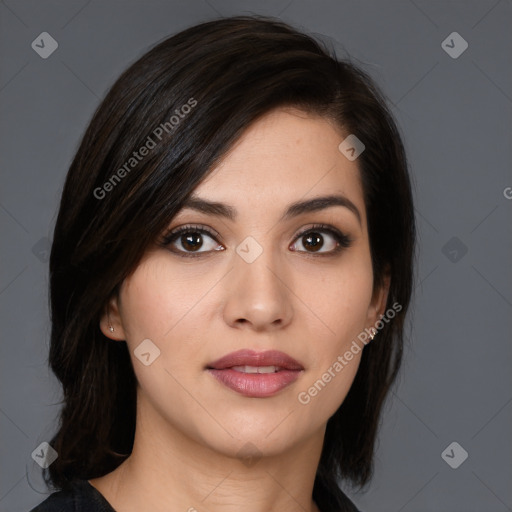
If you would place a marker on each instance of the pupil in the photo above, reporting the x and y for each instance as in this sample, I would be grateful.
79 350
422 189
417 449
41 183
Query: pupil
314 241
192 241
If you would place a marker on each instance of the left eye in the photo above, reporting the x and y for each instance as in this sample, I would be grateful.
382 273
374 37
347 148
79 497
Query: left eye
315 241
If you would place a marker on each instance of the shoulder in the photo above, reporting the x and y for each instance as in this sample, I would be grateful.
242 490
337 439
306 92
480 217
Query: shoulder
80 497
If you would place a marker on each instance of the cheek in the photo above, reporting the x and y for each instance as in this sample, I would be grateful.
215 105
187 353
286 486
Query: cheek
156 299
168 307
340 296
327 390
145 311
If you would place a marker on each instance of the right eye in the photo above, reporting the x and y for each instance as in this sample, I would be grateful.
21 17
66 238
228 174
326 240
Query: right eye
191 241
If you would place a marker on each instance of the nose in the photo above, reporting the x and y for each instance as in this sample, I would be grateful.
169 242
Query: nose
258 295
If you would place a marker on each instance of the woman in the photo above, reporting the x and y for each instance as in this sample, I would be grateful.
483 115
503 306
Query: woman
235 229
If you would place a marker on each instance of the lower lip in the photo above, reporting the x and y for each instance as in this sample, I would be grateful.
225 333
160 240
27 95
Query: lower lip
256 385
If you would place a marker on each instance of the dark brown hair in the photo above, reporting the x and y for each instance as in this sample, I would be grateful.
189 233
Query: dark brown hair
231 71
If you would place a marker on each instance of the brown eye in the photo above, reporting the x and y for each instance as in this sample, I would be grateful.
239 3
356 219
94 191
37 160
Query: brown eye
321 239
191 241
313 241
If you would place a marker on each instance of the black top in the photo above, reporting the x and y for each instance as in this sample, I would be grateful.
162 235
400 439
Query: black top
83 497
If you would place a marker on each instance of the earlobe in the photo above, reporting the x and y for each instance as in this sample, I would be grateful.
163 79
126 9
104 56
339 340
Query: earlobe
110 321
379 301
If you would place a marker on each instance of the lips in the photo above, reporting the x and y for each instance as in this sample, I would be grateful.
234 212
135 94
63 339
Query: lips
256 374
255 359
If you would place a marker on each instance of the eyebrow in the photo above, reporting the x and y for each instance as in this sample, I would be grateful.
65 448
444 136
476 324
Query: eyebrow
295 209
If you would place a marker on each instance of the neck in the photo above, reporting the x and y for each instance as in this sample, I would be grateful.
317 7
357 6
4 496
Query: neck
169 470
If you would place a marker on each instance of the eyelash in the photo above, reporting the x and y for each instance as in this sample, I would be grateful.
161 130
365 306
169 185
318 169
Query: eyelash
344 241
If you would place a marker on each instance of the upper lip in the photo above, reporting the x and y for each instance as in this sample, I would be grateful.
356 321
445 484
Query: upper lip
247 357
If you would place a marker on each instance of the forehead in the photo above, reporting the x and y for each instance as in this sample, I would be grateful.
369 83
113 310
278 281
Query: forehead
284 156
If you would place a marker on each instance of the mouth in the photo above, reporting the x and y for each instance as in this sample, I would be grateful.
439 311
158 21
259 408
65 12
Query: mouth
257 369
256 374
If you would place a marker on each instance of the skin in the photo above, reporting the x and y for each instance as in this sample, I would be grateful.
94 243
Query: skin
311 306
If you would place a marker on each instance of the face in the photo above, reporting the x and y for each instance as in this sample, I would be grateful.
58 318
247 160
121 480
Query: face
255 274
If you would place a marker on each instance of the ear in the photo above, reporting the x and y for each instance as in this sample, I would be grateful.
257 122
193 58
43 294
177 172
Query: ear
111 317
379 300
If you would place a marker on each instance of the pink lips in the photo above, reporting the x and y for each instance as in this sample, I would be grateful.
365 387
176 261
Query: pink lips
256 385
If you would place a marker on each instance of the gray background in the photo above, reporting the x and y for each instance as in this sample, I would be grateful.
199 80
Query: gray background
455 117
